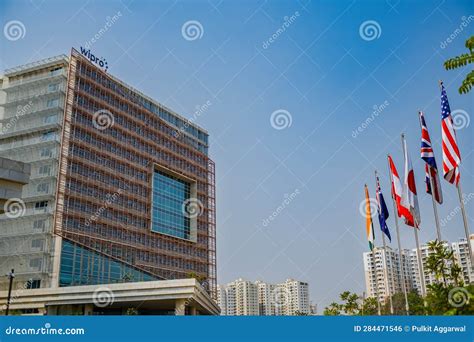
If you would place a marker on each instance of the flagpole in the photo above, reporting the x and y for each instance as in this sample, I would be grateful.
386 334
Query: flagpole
463 210
435 209
420 262
372 246
387 282
376 281
395 216
466 228
415 229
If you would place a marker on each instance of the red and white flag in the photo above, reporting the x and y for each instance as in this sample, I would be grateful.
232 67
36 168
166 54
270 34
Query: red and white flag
397 191
409 198
451 155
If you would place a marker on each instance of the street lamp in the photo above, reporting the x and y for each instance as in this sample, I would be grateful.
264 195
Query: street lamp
11 275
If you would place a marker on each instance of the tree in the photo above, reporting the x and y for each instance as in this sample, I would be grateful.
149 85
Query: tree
437 260
131 312
369 307
352 305
447 295
333 309
415 303
463 60
300 313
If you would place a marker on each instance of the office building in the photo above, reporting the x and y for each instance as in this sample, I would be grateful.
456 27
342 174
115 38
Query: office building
121 190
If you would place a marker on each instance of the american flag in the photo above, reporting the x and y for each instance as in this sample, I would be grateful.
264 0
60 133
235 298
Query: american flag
427 155
451 155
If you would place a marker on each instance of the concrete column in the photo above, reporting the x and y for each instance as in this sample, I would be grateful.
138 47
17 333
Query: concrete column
193 311
180 307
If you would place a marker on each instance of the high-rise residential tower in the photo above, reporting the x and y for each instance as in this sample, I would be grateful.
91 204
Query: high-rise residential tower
242 297
386 271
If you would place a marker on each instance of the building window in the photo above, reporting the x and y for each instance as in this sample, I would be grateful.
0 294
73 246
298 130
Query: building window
56 71
46 152
170 196
44 170
52 103
36 263
33 284
41 205
37 244
39 224
50 119
53 87
43 187
48 136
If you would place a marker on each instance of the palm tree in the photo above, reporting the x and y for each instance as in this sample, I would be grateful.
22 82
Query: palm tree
436 262
463 60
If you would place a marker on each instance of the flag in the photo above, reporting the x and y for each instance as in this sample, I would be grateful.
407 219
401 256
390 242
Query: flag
431 170
397 191
382 211
368 221
409 198
451 155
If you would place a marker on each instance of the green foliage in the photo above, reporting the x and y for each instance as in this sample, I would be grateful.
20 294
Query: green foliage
333 309
461 61
448 295
300 313
352 305
415 303
131 312
369 307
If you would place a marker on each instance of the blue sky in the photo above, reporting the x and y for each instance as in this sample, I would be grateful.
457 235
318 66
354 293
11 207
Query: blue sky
318 71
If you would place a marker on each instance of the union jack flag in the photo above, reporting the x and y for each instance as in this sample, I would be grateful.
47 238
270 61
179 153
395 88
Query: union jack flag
431 170
451 155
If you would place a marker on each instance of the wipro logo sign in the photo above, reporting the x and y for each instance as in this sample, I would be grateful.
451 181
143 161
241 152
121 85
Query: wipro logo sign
100 62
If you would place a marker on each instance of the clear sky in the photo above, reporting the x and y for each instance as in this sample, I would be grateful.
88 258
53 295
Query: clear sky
310 59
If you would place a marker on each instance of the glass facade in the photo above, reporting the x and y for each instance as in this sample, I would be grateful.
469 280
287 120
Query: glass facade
123 186
80 266
169 196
